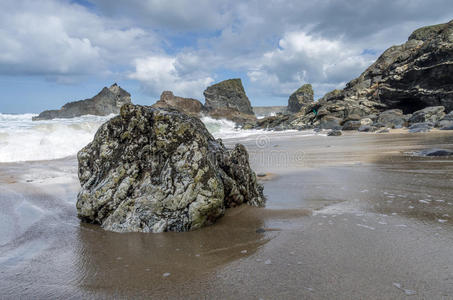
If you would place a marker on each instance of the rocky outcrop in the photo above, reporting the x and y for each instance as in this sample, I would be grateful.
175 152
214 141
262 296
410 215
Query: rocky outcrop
408 77
108 101
228 98
189 106
154 170
392 118
411 76
429 114
300 98
446 123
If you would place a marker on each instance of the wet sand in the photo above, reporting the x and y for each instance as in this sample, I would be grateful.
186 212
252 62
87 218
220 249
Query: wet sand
350 217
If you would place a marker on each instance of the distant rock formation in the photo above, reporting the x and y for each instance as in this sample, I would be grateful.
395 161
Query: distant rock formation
155 170
190 106
108 101
300 98
409 77
227 99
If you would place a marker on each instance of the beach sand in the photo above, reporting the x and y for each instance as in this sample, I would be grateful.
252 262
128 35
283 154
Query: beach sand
349 217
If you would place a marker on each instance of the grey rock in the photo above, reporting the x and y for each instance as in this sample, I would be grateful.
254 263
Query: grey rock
431 114
434 152
392 118
154 170
329 122
421 127
228 94
227 100
367 128
351 125
446 123
366 122
385 130
300 98
334 132
106 102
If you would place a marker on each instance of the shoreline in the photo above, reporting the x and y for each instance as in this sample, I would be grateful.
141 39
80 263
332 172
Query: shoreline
338 224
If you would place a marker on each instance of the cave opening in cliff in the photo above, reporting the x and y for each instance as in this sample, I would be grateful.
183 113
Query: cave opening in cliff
410 105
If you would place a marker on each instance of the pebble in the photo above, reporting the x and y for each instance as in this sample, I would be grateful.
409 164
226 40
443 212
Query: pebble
268 262
166 274
244 251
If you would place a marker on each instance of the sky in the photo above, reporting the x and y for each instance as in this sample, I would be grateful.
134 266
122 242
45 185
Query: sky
55 51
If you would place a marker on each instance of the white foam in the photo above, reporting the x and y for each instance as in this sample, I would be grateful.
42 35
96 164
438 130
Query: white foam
22 139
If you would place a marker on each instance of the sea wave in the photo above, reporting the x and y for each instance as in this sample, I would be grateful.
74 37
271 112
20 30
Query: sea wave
22 139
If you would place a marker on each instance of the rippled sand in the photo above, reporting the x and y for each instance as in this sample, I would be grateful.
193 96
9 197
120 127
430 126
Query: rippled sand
350 217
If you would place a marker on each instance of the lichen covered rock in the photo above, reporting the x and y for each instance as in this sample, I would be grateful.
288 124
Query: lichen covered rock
155 170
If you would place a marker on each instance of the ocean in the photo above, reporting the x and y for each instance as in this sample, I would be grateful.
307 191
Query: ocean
22 139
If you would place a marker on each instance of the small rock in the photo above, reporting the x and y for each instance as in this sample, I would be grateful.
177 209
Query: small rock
334 133
385 130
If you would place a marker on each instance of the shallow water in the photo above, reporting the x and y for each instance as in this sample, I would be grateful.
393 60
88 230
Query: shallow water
345 219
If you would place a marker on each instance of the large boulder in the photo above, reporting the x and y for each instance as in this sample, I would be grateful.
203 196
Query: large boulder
228 94
429 114
446 123
300 98
392 118
189 106
155 170
411 76
107 101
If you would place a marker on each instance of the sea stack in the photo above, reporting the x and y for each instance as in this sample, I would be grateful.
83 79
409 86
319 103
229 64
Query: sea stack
228 100
300 98
189 106
155 170
107 101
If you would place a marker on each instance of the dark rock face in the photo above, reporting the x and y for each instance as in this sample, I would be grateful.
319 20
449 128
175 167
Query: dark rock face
188 106
228 94
108 101
300 98
411 76
408 77
155 170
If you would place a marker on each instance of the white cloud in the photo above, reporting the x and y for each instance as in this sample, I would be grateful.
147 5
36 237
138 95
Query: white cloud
182 46
159 73
58 39
301 58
